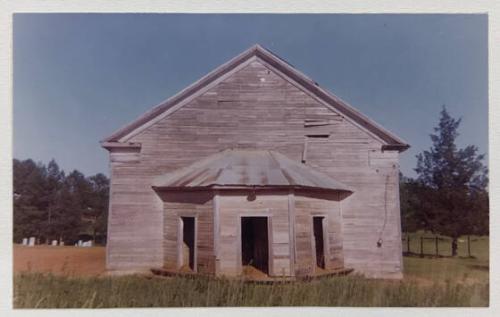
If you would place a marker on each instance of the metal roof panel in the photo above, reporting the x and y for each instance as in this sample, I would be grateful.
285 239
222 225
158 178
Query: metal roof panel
249 168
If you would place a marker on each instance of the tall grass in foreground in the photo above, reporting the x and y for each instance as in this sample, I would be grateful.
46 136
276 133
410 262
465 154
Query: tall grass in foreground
49 291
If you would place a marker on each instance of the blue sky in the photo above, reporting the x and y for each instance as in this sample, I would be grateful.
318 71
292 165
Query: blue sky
79 77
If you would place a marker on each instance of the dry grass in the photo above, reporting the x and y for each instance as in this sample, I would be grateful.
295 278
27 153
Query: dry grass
50 291
75 283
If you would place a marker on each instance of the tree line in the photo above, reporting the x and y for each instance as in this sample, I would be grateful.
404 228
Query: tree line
52 205
450 195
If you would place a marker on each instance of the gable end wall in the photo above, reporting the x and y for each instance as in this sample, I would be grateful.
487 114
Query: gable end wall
255 108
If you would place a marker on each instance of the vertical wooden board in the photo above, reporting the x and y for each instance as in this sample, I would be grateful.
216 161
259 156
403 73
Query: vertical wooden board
335 237
303 233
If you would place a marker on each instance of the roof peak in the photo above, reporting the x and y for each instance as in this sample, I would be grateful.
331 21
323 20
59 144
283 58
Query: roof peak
257 46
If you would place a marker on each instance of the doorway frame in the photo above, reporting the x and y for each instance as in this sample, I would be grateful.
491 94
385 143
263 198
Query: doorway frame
270 254
326 241
180 240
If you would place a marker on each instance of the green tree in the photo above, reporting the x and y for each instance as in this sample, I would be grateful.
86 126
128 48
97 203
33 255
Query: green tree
452 184
51 205
53 190
29 203
79 195
410 220
66 215
97 212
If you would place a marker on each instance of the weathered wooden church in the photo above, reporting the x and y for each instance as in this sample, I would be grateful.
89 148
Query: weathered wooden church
255 165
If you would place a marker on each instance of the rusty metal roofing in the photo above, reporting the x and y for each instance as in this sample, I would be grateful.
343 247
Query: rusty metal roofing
247 168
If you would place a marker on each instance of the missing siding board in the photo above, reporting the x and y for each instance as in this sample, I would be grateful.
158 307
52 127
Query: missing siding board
315 123
321 122
304 151
309 138
318 136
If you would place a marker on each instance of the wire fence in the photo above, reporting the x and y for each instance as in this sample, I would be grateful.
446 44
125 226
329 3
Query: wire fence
436 246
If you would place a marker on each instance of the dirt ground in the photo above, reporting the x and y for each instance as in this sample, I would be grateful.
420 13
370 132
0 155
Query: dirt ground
67 260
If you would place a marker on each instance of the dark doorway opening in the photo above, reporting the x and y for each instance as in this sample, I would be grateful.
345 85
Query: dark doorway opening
319 241
188 242
255 243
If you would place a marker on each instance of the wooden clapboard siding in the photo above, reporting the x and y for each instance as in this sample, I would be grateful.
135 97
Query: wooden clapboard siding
363 166
257 108
132 217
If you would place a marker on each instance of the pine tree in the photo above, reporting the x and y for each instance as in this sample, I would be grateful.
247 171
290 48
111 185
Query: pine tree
53 187
79 193
407 197
98 212
452 184
50 205
29 199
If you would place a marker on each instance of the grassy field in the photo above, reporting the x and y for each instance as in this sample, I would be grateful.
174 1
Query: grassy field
460 268
448 282
42 291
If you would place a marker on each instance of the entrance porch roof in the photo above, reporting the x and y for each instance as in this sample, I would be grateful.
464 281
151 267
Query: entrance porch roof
247 169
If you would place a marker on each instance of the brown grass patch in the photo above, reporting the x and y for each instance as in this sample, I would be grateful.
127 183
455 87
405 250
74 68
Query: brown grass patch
66 260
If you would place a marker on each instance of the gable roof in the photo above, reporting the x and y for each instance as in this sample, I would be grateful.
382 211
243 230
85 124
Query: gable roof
247 168
276 63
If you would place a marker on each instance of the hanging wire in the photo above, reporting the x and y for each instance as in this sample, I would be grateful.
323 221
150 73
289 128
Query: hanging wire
380 241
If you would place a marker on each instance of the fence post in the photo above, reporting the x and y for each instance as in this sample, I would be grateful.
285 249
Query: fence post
437 247
468 245
408 243
421 247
